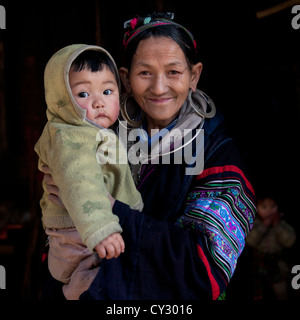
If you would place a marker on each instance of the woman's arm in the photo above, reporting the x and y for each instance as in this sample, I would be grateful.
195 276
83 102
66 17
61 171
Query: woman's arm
221 207
193 259
161 261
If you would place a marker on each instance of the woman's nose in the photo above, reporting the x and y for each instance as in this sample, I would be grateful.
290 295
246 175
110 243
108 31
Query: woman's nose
159 85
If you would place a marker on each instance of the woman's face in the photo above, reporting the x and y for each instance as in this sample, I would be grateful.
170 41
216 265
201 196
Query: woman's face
160 79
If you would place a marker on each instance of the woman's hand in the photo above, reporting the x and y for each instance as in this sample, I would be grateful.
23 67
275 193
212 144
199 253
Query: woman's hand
52 188
112 200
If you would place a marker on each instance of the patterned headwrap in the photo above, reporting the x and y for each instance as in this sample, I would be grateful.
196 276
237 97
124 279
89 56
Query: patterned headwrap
137 25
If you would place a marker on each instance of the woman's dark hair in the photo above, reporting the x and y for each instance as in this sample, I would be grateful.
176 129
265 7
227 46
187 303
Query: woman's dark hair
94 61
171 31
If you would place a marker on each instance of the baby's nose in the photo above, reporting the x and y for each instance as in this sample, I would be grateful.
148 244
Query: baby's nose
98 103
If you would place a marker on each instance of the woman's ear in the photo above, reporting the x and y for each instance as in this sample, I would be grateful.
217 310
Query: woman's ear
124 75
196 72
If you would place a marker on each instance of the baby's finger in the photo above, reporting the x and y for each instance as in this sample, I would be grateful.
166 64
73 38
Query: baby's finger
118 249
122 245
52 190
101 251
46 169
48 179
56 200
110 251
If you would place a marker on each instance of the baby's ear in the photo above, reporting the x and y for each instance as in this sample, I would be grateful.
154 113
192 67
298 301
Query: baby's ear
196 73
124 75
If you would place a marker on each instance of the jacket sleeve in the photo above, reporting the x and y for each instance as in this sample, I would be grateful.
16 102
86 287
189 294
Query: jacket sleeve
192 259
221 207
71 156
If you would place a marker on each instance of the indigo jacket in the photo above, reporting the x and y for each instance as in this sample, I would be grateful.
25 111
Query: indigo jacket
186 242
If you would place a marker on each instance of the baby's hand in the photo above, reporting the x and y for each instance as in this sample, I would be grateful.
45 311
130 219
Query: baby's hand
111 247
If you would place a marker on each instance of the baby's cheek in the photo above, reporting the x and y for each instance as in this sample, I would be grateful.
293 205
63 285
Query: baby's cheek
116 110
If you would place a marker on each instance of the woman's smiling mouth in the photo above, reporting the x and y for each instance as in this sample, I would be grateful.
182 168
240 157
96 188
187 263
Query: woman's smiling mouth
159 100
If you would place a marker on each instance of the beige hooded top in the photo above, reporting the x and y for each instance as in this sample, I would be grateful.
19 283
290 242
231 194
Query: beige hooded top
73 146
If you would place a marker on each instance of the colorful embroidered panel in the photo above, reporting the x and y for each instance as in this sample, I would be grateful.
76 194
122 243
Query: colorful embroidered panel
221 207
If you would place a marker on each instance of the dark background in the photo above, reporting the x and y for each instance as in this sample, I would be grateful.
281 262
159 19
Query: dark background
251 71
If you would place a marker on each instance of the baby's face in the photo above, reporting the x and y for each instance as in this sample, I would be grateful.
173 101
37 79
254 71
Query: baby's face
98 93
267 208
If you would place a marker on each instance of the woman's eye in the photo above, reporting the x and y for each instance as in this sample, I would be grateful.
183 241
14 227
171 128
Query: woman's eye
145 73
107 92
83 95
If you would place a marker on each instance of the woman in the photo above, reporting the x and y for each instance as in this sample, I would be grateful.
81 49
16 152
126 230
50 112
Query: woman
186 242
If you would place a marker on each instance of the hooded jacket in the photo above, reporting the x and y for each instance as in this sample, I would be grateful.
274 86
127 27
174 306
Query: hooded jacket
74 147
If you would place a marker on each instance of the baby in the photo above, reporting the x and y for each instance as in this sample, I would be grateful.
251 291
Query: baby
269 238
82 95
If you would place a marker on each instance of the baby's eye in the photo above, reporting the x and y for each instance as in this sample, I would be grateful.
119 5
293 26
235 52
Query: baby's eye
107 92
83 95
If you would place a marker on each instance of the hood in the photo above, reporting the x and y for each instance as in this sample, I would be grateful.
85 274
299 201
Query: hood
61 104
